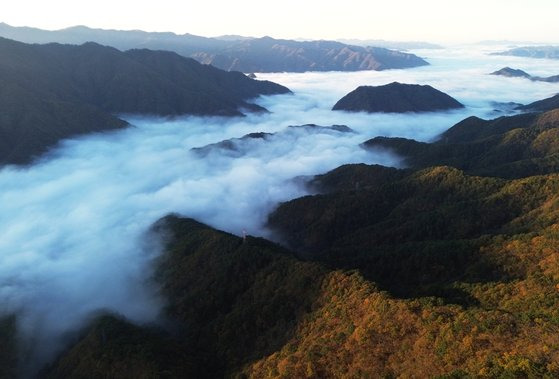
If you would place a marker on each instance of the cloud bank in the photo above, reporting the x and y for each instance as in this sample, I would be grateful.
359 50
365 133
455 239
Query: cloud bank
73 226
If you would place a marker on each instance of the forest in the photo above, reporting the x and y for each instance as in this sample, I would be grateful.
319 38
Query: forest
386 272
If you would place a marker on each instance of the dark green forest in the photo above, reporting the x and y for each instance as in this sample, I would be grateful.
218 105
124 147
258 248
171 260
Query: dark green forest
447 270
51 92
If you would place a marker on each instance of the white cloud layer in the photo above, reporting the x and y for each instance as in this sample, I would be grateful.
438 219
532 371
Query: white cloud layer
73 226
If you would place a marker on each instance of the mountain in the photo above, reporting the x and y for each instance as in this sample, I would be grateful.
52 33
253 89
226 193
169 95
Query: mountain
185 44
432 273
515 73
241 298
113 347
507 147
50 92
548 52
232 53
272 55
425 271
542 105
237 147
396 98
511 73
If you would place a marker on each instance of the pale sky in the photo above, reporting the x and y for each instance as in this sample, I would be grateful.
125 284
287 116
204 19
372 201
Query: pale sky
426 20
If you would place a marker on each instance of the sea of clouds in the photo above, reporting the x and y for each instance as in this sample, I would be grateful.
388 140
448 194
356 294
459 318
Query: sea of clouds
73 226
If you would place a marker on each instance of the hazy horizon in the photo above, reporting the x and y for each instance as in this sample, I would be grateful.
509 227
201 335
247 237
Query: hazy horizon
400 20
348 40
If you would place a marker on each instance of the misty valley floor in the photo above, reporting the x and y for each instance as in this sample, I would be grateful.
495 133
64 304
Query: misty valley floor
76 236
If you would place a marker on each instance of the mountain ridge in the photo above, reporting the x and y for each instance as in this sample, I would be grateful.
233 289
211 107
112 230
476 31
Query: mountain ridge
426 271
54 91
247 54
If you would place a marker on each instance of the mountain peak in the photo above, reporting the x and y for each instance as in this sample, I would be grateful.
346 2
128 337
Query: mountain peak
396 97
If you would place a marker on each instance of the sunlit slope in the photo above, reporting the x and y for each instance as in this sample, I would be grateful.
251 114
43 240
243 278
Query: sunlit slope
426 272
250 307
230 301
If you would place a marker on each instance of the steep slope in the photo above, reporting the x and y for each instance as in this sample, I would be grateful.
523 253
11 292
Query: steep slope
396 98
31 122
508 147
235 53
112 347
49 92
272 55
406 273
240 299
359 227
251 308
542 105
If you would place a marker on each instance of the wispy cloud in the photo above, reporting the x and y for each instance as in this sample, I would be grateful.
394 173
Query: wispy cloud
73 226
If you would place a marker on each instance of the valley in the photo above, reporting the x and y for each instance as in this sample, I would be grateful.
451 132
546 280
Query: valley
298 242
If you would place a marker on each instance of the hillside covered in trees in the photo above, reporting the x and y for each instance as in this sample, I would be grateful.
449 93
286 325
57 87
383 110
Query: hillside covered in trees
50 92
447 269
396 98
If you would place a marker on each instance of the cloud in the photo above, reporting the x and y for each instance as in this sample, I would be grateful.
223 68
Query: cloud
73 226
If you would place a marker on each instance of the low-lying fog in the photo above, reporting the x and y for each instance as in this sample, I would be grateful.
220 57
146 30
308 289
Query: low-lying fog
73 226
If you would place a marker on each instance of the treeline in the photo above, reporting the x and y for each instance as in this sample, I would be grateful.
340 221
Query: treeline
431 271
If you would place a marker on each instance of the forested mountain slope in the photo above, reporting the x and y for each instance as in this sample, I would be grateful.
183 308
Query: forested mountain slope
50 92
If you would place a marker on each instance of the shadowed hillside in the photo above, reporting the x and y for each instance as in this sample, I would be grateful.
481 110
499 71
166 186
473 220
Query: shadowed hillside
9 359
507 147
112 347
236 301
396 98
50 92
251 308
542 105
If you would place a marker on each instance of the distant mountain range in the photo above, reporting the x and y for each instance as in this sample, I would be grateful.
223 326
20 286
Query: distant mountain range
549 52
397 45
396 98
515 73
232 53
50 92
